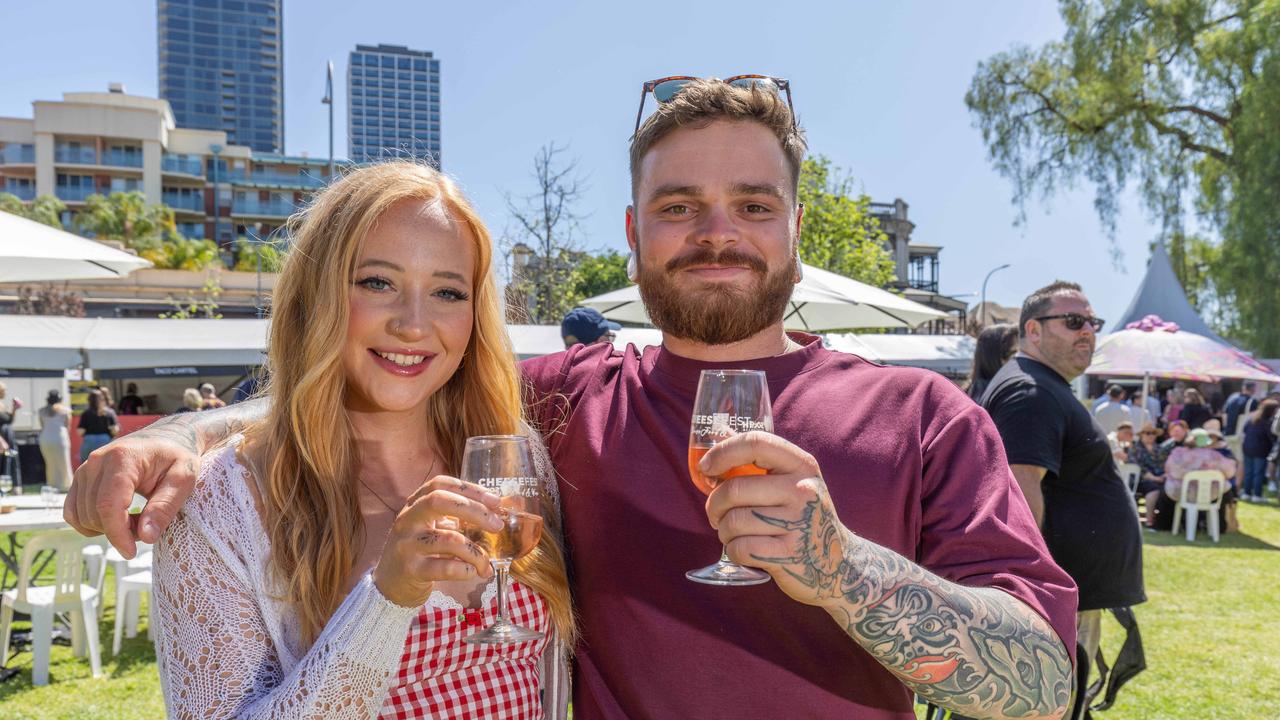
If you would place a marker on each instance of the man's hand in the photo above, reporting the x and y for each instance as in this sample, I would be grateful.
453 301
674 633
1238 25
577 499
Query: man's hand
159 462
782 522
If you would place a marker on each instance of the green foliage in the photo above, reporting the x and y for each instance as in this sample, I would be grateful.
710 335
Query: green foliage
127 217
839 233
1181 97
45 209
1194 261
197 307
269 253
596 275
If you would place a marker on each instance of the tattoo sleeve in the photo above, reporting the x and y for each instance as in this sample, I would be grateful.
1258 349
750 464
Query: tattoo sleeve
196 432
978 651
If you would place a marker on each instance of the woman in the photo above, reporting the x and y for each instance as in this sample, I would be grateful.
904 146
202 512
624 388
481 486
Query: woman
55 441
996 345
191 401
1177 434
1195 453
1149 455
1258 442
7 440
1194 409
96 425
308 562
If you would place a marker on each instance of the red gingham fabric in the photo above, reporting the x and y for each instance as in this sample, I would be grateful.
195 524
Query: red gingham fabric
443 677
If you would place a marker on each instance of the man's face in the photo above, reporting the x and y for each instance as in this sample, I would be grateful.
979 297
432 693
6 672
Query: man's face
1067 351
1125 434
714 230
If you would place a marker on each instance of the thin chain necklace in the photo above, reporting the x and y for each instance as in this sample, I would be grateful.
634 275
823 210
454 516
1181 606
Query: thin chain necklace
386 504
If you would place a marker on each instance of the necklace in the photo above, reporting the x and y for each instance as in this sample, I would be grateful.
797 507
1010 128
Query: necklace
386 504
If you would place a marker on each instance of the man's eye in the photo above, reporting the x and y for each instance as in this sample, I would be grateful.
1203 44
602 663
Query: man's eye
677 210
757 208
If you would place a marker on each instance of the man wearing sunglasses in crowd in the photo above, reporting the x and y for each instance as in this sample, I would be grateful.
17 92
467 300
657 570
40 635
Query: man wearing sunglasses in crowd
1062 457
905 528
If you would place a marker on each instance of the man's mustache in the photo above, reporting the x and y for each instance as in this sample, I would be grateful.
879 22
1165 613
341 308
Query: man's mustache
707 256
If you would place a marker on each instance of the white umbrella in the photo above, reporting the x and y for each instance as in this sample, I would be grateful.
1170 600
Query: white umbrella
33 252
821 301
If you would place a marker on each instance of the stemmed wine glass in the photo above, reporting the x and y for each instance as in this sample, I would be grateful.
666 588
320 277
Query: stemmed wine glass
6 484
728 402
502 464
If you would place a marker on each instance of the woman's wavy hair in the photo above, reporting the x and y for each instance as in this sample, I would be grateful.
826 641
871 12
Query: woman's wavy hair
309 503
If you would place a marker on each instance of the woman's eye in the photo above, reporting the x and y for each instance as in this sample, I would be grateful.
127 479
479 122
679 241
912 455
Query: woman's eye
377 284
453 295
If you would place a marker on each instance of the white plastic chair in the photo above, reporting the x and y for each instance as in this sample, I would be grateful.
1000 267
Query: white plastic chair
1206 495
1131 473
129 589
67 594
98 556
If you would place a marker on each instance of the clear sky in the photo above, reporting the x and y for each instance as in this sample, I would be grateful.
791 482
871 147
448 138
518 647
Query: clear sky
878 85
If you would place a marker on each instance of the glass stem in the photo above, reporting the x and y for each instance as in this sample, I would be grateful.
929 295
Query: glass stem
724 556
501 568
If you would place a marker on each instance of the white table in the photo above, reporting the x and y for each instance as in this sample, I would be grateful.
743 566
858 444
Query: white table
30 515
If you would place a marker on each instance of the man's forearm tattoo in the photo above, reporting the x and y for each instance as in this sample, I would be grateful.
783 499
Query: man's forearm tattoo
977 651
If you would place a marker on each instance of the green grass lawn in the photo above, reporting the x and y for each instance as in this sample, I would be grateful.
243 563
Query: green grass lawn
1210 629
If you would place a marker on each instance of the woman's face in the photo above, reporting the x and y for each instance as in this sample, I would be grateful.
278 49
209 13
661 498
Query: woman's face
1178 433
410 312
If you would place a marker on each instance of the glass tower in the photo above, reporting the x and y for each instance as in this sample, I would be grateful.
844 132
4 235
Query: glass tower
222 68
393 104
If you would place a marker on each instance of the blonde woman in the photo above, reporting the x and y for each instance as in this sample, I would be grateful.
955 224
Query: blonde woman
306 577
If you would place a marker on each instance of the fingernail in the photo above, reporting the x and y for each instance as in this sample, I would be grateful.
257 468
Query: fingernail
495 522
148 532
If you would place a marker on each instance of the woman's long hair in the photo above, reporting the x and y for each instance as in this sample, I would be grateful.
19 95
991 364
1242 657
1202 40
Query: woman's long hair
96 403
996 344
310 510
1265 412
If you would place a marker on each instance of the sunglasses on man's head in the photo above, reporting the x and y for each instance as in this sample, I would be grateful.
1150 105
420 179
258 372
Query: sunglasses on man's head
1075 321
665 89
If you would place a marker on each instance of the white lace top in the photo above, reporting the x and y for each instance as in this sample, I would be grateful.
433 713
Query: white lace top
226 646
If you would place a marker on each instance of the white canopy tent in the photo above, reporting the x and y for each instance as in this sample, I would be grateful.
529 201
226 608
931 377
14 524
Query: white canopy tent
33 252
947 354
821 301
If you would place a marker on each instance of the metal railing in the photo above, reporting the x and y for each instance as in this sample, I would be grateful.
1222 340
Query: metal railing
75 155
17 154
180 201
187 166
120 158
271 208
77 193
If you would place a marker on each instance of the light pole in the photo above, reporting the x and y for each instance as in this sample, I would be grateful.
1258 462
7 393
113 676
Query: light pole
328 100
983 317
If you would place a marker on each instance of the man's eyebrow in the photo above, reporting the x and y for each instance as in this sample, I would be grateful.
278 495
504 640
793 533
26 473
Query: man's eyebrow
380 263
758 189
672 189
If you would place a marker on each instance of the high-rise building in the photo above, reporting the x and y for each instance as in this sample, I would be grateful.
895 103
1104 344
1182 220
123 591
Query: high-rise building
393 104
222 68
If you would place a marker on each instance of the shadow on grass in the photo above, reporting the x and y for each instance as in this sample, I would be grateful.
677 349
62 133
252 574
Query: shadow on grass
1228 541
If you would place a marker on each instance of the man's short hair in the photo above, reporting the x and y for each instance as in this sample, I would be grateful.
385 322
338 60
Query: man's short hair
1250 385
1039 302
702 102
1115 391
1124 425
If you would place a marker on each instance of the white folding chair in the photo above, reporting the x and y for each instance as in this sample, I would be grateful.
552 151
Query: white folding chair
67 594
1201 489
1131 473
129 589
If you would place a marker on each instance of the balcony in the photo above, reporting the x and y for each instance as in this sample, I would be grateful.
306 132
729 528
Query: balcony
75 155
74 193
258 208
183 201
18 155
183 165
304 181
25 193
122 158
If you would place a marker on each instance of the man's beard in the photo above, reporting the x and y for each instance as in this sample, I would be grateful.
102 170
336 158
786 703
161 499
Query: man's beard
720 313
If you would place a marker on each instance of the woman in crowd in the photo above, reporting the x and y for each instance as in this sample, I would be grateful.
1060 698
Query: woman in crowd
96 425
996 344
317 570
1194 409
1258 442
191 401
55 441
1195 453
1177 434
1149 455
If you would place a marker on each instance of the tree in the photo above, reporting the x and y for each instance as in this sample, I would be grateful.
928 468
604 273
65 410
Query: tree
48 300
264 255
839 233
1179 96
546 224
197 307
595 275
148 230
45 209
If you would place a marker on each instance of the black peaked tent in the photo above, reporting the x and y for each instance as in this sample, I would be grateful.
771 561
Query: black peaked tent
1161 294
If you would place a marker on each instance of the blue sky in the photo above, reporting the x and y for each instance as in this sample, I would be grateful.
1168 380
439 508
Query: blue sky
879 87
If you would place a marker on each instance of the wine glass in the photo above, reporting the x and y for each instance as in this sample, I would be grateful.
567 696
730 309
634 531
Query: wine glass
6 484
503 465
49 497
728 402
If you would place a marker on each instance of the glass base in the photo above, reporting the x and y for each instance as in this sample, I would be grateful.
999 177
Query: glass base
727 573
503 632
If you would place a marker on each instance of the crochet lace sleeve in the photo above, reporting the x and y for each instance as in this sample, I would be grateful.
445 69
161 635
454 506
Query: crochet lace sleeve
216 653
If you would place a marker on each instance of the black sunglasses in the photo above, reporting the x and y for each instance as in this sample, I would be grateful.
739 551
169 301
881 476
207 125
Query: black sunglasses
1075 321
664 89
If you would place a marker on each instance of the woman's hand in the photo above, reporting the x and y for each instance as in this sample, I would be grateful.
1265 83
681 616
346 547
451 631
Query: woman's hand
425 545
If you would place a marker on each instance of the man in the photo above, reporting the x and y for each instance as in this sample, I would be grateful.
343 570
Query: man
208 399
1113 411
587 326
1061 456
1121 441
1239 404
905 528
131 403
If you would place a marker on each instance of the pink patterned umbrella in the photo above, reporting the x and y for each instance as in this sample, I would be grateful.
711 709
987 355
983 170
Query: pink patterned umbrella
1152 347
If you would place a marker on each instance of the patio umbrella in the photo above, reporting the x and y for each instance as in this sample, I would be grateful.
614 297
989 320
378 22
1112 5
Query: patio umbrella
1154 348
33 252
821 301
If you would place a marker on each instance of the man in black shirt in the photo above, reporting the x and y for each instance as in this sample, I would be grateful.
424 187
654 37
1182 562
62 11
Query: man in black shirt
1062 459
